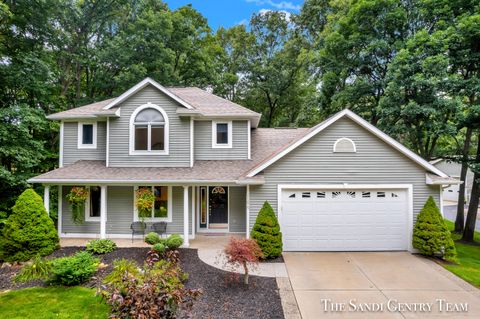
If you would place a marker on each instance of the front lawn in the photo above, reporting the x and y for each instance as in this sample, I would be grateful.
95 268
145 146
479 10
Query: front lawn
468 267
53 302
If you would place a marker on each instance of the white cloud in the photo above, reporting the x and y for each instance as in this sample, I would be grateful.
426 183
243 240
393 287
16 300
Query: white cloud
287 14
282 5
243 21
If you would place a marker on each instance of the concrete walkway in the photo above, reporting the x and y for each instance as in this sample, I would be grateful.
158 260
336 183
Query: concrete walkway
325 284
210 251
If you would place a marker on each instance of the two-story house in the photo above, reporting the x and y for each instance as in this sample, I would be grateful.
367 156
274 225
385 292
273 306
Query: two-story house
340 185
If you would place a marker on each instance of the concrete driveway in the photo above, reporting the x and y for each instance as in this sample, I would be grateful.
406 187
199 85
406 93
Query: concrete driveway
377 285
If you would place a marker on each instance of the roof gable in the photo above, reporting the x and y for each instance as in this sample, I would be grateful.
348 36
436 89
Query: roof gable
141 85
360 121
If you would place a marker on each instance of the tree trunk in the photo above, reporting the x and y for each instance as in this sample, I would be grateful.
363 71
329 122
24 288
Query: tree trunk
469 231
460 219
245 278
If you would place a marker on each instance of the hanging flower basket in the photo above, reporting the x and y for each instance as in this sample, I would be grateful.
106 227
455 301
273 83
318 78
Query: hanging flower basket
77 197
144 199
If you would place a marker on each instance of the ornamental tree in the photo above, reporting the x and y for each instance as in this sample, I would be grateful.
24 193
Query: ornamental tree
241 252
29 231
431 235
266 232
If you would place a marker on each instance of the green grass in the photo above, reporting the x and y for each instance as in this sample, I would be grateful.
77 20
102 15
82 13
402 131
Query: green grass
468 267
52 302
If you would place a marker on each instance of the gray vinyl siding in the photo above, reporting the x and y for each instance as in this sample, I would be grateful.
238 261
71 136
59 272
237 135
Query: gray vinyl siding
120 210
71 152
68 226
237 202
314 162
179 134
203 142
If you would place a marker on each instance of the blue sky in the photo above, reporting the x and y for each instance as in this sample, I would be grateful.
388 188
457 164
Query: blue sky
227 13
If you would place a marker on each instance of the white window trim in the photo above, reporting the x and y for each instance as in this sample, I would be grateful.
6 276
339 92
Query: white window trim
214 134
344 139
132 150
89 218
167 219
80 136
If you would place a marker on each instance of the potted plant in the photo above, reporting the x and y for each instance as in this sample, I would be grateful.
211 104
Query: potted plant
144 199
77 197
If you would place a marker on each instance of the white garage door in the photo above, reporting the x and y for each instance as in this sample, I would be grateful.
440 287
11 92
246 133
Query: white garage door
344 220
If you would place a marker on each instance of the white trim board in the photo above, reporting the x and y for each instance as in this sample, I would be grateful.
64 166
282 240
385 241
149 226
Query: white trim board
408 187
141 85
357 119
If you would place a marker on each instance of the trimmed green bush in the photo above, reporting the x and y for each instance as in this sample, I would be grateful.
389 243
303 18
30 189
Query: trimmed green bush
101 246
28 231
266 232
152 238
431 235
174 241
159 248
74 270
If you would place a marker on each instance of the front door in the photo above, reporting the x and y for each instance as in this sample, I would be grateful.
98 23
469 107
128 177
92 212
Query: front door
218 206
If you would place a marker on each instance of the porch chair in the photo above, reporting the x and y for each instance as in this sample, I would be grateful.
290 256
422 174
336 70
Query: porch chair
160 228
138 228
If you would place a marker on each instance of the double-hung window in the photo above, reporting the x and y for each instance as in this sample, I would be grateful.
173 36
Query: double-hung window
221 134
162 206
87 135
149 131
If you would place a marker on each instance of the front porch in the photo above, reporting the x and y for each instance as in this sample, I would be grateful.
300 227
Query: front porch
188 210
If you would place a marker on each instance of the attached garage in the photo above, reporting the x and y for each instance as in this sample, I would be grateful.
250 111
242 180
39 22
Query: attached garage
356 218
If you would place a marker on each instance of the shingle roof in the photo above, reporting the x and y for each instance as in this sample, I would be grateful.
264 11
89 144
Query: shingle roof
203 102
265 142
89 110
210 104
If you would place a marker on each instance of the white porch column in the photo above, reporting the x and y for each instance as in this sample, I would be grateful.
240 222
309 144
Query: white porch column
103 211
46 198
59 210
193 212
185 217
247 234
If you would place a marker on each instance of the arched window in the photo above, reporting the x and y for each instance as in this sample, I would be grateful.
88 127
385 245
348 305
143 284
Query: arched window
149 130
344 145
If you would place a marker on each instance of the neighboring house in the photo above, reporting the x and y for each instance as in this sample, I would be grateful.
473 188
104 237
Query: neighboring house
454 169
340 185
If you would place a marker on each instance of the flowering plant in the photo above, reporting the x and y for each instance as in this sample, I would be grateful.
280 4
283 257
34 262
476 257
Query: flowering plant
144 201
77 197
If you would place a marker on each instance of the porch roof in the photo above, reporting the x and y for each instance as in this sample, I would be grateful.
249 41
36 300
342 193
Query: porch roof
265 142
85 172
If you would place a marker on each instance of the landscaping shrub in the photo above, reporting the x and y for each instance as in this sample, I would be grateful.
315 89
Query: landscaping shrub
122 268
174 241
159 248
152 238
28 231
156 292
101 246
431 235
240 252
266 232
74 270
37 269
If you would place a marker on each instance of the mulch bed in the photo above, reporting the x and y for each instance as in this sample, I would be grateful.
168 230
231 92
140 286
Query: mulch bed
260 299
279 259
